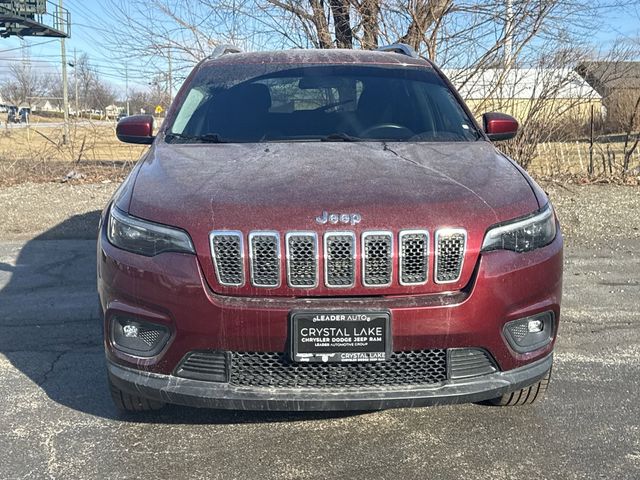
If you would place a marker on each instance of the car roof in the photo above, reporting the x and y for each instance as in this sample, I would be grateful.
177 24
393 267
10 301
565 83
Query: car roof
319 56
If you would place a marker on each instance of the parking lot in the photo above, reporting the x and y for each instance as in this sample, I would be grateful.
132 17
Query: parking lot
58 420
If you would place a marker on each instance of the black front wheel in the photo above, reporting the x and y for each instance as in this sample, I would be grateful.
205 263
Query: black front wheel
524 396
132 403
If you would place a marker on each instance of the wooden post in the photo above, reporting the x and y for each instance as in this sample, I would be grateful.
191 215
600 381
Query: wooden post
579 156
590 170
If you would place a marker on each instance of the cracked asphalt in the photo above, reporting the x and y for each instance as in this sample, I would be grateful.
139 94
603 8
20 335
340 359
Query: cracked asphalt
57 420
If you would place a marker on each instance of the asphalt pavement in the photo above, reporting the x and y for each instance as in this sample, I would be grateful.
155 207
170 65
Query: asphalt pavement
57 420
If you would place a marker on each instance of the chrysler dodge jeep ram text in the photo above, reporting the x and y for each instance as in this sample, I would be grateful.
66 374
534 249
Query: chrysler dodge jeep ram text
326 229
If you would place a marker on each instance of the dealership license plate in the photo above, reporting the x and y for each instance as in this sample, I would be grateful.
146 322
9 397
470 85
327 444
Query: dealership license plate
339 337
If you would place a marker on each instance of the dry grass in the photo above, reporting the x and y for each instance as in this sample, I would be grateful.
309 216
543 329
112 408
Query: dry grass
37 153
94 154
563 160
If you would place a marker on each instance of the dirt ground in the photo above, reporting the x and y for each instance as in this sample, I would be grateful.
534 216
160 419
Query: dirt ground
29 209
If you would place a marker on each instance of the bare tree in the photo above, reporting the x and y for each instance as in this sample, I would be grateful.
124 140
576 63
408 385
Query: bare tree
617 78
472 36
24 84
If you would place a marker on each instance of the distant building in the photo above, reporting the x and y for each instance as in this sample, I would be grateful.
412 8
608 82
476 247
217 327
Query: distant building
45 106
112 111
549 93
619 85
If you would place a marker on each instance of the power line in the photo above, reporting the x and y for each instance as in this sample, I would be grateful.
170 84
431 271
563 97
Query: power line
26 46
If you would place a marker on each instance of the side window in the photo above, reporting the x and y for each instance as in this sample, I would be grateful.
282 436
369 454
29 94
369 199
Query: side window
192 102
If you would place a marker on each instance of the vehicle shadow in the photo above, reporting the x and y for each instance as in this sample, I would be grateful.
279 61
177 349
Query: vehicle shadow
50 329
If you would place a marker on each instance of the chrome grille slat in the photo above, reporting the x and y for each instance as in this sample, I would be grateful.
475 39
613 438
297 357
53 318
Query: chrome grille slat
302 259
339 259
450 249
414 257
227 250
377 259
264 257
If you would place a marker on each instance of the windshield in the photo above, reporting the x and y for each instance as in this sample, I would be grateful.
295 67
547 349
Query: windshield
257 103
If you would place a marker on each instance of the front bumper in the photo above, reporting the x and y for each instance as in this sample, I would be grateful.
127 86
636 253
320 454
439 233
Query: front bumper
194 393
170 290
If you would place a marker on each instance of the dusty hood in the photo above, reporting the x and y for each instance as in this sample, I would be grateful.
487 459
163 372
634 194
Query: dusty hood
285 186
265 185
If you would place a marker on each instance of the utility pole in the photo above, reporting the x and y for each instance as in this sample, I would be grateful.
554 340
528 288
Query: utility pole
75 77
126 82
508 32
65 93
170 89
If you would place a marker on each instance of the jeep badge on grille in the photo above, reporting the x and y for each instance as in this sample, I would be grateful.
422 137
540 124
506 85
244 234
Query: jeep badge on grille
326 217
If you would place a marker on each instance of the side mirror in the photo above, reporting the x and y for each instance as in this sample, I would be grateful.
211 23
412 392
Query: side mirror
499 126
136 129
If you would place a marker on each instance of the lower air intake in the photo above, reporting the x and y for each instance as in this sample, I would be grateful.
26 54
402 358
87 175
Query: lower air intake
206 366
273 369
470 362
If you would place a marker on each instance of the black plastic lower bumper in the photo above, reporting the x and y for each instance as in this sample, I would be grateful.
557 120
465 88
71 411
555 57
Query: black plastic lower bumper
195 393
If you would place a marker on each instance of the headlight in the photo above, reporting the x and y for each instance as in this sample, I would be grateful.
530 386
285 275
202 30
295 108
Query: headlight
523 235
143 237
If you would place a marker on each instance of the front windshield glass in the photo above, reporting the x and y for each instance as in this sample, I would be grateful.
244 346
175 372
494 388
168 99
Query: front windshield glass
257 103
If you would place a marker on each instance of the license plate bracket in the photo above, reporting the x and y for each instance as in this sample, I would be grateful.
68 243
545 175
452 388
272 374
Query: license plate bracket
339 337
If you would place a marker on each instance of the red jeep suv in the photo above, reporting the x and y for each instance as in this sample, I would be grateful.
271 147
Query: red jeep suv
326 230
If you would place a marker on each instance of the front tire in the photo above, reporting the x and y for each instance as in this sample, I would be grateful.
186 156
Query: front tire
524 396
126 402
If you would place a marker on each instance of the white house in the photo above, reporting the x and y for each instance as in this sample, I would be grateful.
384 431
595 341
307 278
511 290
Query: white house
517 91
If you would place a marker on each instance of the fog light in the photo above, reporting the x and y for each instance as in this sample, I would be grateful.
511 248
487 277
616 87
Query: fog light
132 331
138 337
530 333
535 326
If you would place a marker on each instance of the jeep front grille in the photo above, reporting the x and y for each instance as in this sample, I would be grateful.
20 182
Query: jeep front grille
339 259
264 255
302 259
228 257
377 259
450 249
339 256
414 257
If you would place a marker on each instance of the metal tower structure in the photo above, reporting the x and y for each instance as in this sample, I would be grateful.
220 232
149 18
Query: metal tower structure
39 18
33 18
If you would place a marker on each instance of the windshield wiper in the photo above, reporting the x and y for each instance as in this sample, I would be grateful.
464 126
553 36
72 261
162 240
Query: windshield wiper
182 138
340 137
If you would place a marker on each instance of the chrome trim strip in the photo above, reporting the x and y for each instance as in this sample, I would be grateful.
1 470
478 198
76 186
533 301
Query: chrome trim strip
363 256
443 232
401 234
265 233
228 233
326 263
316 256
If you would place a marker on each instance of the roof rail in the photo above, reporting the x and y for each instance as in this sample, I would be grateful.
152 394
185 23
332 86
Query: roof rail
401 48
221 50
